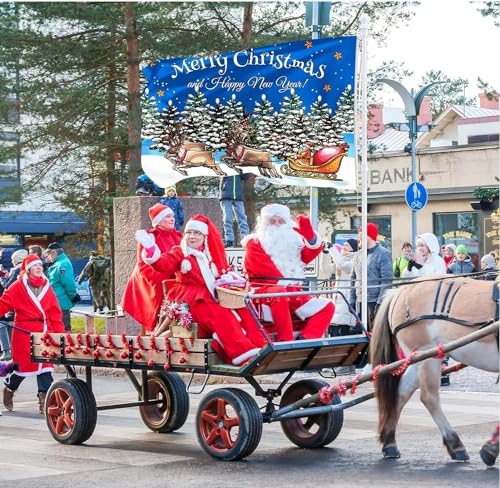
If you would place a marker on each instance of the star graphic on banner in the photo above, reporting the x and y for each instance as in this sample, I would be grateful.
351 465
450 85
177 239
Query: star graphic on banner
337 56
160 93
308 44
327 88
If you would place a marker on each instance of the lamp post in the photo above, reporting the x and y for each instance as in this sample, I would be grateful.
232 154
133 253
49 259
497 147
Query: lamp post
412 108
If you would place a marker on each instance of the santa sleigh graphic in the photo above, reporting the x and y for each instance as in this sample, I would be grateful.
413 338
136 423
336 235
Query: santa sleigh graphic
324 163
244 156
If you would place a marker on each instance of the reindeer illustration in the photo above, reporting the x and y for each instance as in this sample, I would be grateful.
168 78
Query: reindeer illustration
239 155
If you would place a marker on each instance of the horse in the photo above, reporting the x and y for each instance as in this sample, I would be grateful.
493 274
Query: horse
421 315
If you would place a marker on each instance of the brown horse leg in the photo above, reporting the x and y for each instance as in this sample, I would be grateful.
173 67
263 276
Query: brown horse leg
407 386
430 377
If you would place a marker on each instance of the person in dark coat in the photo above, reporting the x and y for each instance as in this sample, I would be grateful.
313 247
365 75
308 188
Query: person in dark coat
489 268
462 263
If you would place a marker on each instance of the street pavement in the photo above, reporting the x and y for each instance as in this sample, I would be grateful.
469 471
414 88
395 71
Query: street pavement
123 453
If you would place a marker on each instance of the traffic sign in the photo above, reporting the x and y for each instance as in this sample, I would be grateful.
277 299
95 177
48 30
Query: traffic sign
416 196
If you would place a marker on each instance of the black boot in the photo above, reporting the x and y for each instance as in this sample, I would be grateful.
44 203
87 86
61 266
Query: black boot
229 244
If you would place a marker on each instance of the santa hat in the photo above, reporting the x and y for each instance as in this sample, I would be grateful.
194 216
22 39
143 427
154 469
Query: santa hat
214 246
371 230
275 210
29 261
158 212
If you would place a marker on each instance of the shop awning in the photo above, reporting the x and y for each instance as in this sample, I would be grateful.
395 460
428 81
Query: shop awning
38 222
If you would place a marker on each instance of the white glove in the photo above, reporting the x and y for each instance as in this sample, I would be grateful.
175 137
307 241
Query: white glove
145 238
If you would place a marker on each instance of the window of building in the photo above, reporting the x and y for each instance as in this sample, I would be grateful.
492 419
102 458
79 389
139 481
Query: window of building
9 165
482 138
459 228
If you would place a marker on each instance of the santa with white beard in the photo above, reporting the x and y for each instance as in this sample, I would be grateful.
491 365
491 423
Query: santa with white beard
275 257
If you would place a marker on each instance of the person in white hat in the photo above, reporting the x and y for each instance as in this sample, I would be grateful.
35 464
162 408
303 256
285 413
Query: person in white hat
274 260
196 264
36 310
143 293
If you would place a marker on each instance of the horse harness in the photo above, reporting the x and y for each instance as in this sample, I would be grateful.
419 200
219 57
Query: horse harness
442 313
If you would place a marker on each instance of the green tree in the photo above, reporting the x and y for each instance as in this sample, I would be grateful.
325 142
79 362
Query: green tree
490 9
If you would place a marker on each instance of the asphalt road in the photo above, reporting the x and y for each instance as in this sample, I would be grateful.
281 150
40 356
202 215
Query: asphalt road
123 453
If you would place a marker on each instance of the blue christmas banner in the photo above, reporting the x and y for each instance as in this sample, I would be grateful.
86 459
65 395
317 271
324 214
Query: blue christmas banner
284 112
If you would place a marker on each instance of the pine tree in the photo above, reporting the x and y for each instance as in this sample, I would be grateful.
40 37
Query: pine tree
318 115
165 131
195 117
344 116
275 135
292 114
235 111
262 119
218 126
150 117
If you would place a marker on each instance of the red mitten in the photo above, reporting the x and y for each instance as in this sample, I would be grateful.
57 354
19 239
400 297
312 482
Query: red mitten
305 228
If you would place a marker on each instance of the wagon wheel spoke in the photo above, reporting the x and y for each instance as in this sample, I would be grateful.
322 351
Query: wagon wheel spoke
208 417
226 439
231 422
310 421
221 408
53 411
68 404
59 427
211 438
59 398
68 420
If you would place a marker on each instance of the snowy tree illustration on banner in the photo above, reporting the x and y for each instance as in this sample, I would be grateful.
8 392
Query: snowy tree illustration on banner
236 116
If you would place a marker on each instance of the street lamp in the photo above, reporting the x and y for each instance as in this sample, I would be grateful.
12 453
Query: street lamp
412 108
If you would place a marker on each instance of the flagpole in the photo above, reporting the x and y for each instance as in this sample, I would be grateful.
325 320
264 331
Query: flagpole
313 191
364 26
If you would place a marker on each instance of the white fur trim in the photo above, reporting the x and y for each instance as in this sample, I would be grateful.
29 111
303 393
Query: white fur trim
246 355
216 338
161 215
36 300
156 255
289 282
32 263
206 271
266 313
275 209
185 266
311 307
41 369
315 245
197 225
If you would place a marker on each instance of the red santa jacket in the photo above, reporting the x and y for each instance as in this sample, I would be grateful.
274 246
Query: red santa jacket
143 294
265 276
34 314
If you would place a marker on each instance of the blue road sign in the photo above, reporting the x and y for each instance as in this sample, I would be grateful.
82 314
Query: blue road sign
416 196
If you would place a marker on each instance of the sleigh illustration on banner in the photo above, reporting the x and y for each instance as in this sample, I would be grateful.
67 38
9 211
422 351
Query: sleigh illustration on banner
324 163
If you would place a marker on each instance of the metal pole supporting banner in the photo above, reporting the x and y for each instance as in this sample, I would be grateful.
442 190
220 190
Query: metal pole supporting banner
364 26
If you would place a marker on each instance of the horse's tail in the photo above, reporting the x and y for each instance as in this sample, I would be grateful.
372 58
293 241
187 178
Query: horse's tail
383 350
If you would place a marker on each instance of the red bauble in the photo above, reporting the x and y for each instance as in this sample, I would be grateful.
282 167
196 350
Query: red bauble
151 363
124 355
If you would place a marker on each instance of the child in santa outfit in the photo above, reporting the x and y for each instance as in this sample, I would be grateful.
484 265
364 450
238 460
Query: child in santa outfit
197 263
278 251
36 310
144 292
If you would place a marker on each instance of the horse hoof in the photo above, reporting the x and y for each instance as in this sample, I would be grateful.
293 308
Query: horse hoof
487 457
391 452
460 456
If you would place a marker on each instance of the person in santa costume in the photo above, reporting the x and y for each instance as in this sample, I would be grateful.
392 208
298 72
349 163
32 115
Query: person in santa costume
278 251
36 310
143 294
196 264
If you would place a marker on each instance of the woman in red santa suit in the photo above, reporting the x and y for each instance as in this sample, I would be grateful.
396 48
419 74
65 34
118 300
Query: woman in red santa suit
278 251
144 293
36 310
196 264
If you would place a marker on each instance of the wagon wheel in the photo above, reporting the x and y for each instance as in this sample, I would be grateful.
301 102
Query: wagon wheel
315 430
71 411
228 424
171 414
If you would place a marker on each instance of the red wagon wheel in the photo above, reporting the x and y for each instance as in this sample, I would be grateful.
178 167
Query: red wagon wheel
71 411
229 424
172 413
316 430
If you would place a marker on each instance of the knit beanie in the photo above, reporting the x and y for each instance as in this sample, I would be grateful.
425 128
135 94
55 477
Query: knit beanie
353 243
489 261
462 249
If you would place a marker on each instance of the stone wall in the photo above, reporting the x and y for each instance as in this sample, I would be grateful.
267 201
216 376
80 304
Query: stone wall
130 214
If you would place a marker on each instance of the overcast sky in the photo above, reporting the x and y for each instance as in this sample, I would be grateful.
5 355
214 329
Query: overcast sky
446 35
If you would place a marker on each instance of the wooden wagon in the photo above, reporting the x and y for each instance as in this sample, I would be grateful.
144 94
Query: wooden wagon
229 421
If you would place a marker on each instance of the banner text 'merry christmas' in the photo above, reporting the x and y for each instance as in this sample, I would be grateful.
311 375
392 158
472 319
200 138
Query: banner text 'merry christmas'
242 59
258 82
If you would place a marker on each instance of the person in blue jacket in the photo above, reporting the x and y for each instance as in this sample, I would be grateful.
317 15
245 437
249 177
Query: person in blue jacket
231 199
62 280
172 201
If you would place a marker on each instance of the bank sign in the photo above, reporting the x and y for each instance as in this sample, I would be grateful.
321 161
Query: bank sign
281 111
